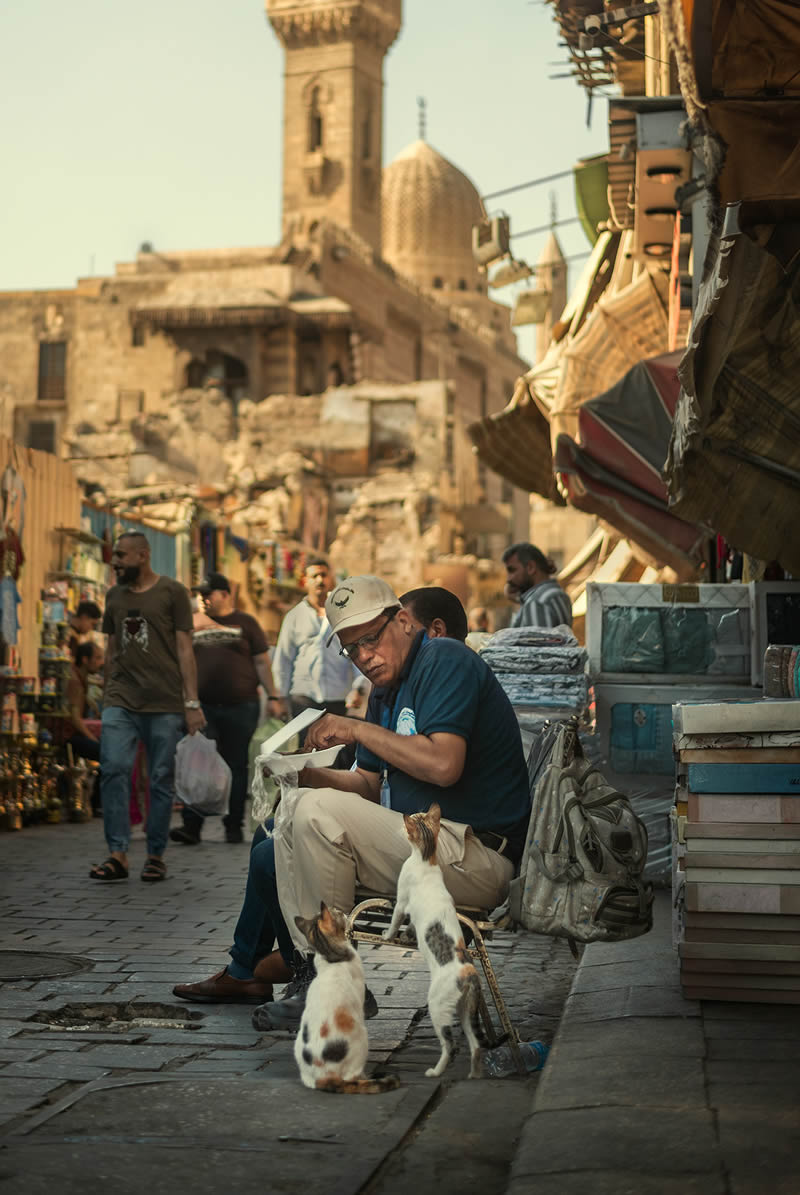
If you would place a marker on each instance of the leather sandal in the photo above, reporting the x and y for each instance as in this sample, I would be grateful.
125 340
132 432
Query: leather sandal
109 871
154 869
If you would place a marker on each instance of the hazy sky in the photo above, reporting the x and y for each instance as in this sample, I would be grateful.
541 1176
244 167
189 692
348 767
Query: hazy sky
161 121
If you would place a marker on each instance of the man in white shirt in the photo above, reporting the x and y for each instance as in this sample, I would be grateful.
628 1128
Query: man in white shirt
303 669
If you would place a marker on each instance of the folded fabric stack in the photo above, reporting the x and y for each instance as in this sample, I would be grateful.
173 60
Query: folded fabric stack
539 669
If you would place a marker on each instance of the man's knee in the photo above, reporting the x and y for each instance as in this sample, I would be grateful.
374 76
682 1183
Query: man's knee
315 815
262 858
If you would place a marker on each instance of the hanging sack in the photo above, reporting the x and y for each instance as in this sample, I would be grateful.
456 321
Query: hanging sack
202 777
581 871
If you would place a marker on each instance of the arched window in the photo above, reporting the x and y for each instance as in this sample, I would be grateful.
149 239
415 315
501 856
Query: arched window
195 374
437 283
462 284
315 129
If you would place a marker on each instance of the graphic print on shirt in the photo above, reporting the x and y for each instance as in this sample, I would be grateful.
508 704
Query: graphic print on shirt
406 721
135 630
218 636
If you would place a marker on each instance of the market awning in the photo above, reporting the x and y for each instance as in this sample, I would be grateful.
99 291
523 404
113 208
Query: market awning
515 442
622 328
612 468
734 460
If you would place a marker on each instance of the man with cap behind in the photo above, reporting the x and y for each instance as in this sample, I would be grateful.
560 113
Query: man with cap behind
438 728
231 653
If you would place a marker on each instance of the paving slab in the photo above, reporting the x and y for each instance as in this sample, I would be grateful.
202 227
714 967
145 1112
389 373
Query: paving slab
275 1133
634 1037
620 1182
626 1081
618 1139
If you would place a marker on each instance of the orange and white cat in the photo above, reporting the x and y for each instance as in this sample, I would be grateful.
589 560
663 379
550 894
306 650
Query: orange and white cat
331 1045
421 894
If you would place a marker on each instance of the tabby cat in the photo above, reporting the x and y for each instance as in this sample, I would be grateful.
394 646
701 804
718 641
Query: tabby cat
421 893
331 1045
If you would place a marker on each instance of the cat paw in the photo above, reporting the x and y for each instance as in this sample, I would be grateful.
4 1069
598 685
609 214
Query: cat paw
431 1073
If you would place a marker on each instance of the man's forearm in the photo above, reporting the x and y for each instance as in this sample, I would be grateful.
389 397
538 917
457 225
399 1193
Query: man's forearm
265 677
415 754
188 667
344 781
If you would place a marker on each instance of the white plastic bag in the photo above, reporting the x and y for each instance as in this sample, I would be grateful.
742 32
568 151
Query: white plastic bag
202 777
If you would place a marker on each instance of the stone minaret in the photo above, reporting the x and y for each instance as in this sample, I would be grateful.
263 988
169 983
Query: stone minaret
551 274
333 110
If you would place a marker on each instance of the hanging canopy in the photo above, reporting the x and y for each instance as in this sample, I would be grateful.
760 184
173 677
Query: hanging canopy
734 459
612 468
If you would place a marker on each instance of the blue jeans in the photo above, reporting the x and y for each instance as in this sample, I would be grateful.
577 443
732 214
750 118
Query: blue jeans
122 732
261 920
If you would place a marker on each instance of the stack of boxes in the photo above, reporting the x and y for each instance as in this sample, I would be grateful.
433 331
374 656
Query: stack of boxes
650 646
737 850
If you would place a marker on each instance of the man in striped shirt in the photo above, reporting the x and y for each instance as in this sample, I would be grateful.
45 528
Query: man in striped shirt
530 575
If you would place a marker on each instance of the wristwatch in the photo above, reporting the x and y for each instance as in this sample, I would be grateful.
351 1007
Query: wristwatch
191 705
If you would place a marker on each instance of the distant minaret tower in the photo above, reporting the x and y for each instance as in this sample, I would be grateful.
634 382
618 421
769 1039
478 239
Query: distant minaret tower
551 274
333 110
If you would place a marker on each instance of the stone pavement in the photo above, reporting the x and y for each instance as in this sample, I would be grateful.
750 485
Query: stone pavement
645 1092
106 1078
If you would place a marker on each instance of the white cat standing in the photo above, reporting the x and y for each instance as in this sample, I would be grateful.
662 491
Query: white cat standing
331 1045
422 895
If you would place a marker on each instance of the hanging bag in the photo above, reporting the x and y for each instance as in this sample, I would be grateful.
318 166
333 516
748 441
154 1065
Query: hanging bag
202 777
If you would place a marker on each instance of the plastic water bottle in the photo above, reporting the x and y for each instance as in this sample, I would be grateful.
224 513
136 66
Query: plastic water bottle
499 1063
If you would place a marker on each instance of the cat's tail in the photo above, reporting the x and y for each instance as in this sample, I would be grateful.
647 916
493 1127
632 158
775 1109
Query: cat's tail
360 1086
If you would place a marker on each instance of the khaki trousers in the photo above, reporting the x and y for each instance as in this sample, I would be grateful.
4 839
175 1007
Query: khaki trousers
339 840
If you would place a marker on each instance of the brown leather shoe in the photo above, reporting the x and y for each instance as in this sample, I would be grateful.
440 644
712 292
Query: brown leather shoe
272 969
222 988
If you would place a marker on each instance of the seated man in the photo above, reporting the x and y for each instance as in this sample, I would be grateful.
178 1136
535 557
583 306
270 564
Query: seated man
255 964
438 728
83 624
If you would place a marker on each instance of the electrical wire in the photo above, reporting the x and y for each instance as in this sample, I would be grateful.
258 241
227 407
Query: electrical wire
619 42
547 178
527 232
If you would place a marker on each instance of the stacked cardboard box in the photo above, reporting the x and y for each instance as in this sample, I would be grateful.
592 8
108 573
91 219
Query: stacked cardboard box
739 790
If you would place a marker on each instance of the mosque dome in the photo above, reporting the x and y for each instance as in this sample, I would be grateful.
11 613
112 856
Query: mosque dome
428 209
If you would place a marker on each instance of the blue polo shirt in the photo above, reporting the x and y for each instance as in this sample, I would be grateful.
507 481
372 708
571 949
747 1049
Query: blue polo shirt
445 687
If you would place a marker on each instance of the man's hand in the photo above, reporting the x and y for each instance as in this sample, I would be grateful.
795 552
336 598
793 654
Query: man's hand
195 720
330 731
276 707
354 700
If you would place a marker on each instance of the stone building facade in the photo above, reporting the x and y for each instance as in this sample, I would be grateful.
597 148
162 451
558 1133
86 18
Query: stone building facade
198 366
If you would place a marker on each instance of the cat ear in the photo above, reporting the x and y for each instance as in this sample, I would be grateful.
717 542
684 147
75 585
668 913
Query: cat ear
303 924
325 919
434 815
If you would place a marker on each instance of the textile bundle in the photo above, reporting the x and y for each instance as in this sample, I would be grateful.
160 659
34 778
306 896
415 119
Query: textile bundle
541 668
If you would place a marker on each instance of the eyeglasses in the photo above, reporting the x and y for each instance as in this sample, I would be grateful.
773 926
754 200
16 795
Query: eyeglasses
352 649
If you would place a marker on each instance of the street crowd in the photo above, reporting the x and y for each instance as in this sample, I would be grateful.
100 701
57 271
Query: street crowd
417 715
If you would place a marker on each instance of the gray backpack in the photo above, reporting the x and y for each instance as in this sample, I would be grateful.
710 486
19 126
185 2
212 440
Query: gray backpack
581 871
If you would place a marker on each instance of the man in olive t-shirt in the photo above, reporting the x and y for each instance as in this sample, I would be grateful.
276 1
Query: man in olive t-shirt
150 695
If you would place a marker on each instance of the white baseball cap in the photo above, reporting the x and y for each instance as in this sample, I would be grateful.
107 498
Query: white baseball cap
357 601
